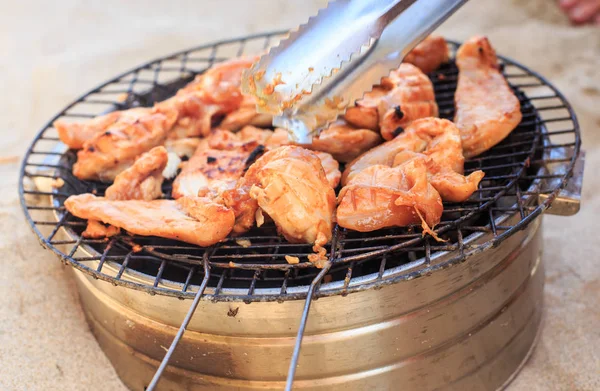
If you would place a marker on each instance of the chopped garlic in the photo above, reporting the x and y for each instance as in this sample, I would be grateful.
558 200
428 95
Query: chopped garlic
244 242
172 165
57 183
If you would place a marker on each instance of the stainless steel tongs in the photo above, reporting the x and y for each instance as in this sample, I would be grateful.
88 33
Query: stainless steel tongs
312 76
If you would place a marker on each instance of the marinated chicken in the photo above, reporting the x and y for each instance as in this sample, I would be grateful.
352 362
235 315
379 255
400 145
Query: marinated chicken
246 114
404 96
213 93
141 181
340 140
430 54
219 163
98 230
115 149
487 110
291 187
210 171
364 114
438 140
194 220
75 134
247 138
331 168
381 196
411 98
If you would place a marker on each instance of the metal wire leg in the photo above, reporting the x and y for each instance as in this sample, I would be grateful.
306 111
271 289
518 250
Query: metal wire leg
183 326
296 354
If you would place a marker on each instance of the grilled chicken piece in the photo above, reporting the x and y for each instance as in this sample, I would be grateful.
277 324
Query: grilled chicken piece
340 140
291 187
411 98
110 152
381 196
331 168
329 163
75 134
438 140
364 114
213 93
404 96
246 114
141 181
487 110
192 220
210 171
429 55
218 164
248 138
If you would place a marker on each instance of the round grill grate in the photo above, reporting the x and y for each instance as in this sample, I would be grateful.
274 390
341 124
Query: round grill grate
253 267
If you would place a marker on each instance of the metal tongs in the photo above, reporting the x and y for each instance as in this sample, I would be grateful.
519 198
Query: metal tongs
313 75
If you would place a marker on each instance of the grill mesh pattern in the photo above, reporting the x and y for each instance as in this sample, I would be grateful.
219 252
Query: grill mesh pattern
253 267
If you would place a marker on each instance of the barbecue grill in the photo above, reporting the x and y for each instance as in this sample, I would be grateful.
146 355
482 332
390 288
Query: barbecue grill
390 307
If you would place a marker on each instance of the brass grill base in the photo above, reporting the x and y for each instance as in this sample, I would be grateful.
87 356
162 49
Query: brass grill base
469 326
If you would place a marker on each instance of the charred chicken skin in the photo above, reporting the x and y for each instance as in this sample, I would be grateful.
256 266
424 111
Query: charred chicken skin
487 110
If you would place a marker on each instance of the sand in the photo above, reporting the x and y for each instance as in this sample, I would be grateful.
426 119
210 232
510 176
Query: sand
54 51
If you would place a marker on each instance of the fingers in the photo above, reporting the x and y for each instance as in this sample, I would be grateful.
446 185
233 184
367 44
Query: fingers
567 4
581 11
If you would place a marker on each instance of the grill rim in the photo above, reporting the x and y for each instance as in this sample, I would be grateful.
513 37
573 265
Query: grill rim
394 274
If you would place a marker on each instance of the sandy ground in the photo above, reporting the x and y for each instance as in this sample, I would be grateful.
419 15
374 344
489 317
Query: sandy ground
54 51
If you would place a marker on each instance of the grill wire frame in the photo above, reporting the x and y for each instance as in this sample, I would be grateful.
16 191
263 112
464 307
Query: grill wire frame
410 240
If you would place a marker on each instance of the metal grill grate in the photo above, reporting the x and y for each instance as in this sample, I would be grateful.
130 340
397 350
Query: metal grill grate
515 170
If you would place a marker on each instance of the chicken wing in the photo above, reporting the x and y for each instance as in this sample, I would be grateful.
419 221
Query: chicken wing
430 54
438 140
110 152
292 188
487 110
192 220
382 196
141 181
